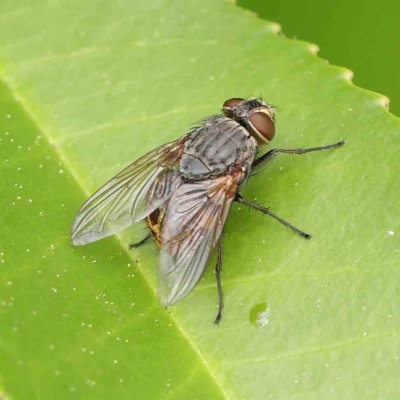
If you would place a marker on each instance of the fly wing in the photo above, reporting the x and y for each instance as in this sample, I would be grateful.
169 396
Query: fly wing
194 221
130 196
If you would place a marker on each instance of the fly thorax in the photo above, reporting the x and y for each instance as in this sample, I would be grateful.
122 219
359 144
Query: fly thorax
215 148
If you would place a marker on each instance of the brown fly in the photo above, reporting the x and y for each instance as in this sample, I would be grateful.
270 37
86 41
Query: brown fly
184 191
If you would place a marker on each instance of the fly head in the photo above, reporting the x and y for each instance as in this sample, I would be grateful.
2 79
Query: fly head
257 116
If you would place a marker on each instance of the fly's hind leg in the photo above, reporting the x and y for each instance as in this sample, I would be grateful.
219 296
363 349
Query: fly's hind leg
218 270
143 241
267 211
267 156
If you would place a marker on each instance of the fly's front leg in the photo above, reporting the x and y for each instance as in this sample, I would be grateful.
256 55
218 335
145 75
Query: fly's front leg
143 241
267 156
267 211
218 270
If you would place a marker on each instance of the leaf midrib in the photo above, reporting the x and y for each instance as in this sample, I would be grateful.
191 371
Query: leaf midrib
25 106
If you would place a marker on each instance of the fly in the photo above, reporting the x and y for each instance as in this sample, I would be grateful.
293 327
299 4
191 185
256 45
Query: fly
184 191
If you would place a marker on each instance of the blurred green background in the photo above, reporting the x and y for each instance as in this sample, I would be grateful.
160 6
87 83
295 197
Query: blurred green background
360 35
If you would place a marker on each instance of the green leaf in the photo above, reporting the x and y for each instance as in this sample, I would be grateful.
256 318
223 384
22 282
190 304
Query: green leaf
88 88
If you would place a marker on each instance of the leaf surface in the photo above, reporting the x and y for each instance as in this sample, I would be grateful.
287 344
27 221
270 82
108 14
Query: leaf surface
87 89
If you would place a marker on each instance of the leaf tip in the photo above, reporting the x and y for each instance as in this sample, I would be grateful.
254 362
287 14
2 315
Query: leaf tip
314 48
348 74
384 101
275 27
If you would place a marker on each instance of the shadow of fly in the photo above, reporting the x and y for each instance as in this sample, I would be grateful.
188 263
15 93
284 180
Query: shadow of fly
184 191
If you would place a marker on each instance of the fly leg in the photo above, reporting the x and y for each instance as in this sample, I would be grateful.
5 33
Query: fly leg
218 270
143 241
267 156
267 211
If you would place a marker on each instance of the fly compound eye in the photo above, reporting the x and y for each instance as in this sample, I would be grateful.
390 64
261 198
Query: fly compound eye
229 104
232 102
263 126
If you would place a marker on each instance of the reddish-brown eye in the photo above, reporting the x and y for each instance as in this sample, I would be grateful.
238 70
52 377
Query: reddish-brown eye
263 124
232 103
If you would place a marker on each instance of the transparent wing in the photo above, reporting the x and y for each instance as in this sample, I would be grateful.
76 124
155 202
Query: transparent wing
130 196
193 223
